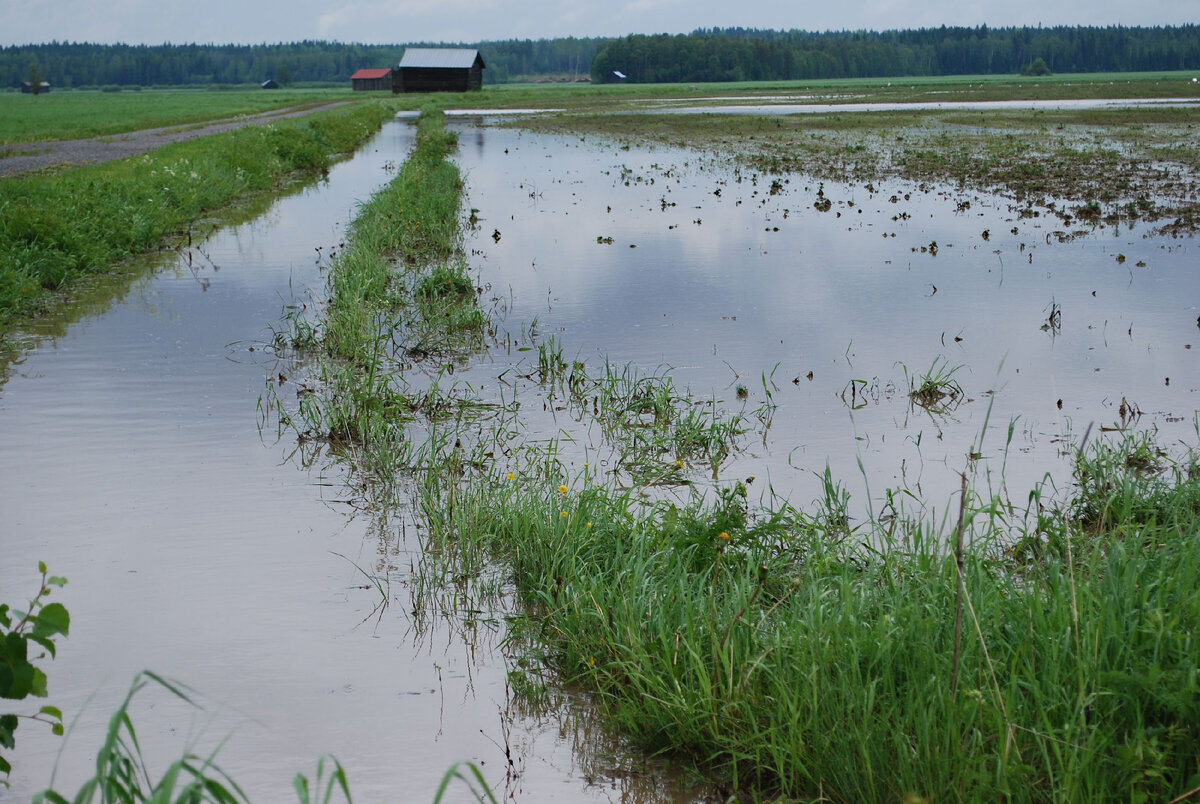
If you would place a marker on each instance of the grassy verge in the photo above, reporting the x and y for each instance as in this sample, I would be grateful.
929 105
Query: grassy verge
782 653
57 229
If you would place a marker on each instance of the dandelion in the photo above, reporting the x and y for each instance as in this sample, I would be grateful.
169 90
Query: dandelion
591 661
564 513
589 524
562 489
678 464
725 537
511 476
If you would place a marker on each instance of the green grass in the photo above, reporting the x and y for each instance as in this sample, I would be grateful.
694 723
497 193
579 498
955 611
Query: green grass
55 230
399 293
77 115
783 655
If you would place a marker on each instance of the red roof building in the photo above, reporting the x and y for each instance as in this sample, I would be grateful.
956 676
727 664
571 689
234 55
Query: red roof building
370 80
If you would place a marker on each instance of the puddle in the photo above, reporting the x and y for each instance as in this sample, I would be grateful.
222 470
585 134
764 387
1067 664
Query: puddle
195 547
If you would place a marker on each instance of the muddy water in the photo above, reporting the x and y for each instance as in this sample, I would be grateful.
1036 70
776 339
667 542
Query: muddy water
727 280
202 550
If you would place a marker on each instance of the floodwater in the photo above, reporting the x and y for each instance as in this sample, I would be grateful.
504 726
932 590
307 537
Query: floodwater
205 550
777 106
730 277
202 550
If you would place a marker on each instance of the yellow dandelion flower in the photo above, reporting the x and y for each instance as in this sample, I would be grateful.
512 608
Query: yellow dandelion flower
679 464
511 475
589 524
562 489
725 537
591 661
564 513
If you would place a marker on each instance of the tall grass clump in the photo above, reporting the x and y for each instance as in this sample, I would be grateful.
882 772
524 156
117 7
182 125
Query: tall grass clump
55 229
786 657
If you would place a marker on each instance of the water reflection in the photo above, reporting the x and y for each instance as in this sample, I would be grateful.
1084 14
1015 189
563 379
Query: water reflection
202 548
834 298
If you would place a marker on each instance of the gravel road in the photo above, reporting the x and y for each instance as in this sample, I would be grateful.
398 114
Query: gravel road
34 156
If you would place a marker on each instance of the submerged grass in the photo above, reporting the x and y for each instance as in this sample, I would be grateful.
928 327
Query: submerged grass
399 293
1139 163
55 230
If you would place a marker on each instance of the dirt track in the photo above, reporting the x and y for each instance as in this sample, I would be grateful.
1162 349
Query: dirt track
34 156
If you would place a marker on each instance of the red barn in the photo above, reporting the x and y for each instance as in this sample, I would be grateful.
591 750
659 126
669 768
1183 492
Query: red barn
369 80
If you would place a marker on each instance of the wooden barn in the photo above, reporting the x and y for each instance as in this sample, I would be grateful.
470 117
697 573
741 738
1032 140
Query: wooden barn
371 80
439 69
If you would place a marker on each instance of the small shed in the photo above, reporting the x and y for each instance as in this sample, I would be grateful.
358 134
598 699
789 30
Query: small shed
270 83
371 80
27 87
439 69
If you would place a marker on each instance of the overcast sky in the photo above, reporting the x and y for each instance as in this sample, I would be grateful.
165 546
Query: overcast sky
400 21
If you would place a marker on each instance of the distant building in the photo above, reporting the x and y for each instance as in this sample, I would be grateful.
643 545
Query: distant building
27 87
371 80
439 69
270 83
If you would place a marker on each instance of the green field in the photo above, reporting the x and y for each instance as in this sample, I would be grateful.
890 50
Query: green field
78 115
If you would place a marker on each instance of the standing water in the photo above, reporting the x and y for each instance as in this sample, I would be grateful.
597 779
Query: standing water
199 548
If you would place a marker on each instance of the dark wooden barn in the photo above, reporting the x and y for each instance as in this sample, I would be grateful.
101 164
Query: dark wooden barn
27 87
439 69
370 80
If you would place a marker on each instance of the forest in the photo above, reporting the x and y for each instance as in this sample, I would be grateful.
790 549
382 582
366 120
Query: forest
738 54
74 65
708 55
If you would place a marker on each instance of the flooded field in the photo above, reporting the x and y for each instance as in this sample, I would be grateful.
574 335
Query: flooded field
201 547
823 305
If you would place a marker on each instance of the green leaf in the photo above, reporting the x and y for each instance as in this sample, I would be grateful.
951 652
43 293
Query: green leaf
42 567
56 580
52 711
52 619
37 685
45 643
8 725
4 766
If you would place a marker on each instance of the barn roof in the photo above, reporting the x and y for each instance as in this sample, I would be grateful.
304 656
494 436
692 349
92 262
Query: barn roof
370 74
440 57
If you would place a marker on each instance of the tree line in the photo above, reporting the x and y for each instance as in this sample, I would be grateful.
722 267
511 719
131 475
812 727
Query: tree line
740 54
712 54
70 64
